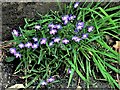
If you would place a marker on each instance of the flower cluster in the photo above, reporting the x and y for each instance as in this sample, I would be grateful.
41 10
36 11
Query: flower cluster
32 45
57 40
26 45
49 80
67 18
15 53
54 28
76 39
17 33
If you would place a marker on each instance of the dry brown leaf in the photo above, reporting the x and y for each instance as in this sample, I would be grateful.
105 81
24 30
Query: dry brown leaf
17 86
117 46
79 88
118 81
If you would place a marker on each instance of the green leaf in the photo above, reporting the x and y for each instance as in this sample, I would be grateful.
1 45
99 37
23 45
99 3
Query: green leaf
70 78
113 8
41 56
44 20
113 68
76 69
103 11
99 62
32 81
10 59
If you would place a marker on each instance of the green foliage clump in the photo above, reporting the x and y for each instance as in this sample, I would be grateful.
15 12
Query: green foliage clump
74 40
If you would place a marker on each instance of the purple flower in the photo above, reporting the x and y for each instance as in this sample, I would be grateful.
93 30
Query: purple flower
51 43
65 22
90 28
43 83
35 45
58 26
76 39
35 39
53 31
20 35
51 25
72 17
12 50
76 4
43 41
69 71
65 41
76 30
50 79
84 36
18 55
21 45
66 17
80 25
15 32
57 39
28 44
37 27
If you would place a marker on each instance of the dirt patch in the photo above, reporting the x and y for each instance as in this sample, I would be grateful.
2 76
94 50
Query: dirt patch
13 14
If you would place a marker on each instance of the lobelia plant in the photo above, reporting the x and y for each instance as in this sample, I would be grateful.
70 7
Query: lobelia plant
75 39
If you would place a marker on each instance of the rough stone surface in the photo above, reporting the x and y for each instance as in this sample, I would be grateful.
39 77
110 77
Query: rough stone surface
1 75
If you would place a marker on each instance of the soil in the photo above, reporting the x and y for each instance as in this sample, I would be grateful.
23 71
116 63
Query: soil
13 14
